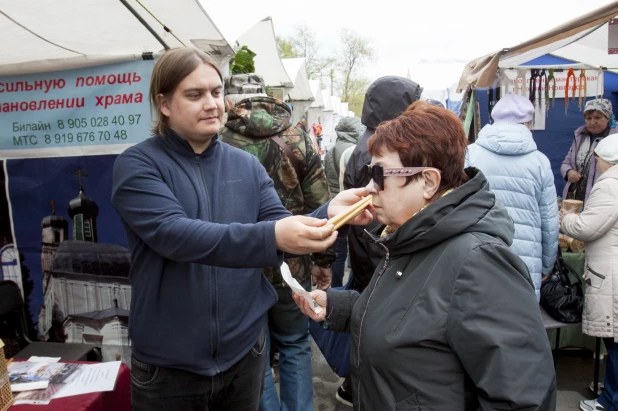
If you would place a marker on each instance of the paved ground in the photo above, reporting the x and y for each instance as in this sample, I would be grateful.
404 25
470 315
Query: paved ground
574 373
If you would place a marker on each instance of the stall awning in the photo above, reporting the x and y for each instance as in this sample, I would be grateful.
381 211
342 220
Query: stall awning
47 35
583 40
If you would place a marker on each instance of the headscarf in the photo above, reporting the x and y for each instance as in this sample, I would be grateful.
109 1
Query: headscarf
603 106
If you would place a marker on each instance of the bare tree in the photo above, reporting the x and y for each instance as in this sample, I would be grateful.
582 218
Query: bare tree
305 45
356 51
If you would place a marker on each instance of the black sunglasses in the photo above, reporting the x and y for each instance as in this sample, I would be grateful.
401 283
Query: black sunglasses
377 173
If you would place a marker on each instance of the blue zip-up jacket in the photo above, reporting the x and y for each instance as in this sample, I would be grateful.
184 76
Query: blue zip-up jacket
522 180
199 228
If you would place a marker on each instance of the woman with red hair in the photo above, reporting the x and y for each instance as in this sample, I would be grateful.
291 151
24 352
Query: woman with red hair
450 319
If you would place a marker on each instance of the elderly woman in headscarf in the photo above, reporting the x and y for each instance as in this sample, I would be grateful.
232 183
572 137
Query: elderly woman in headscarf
579 167
449 320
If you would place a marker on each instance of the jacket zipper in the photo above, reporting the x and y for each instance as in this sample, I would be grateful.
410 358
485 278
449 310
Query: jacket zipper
360 330
213 279
601 276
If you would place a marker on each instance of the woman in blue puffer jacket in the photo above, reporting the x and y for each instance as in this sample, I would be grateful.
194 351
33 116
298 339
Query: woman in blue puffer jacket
522 179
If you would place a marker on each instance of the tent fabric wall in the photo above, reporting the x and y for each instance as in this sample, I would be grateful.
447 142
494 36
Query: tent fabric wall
261 40
299 108
557 137
301 96
48 35
297 71
317 106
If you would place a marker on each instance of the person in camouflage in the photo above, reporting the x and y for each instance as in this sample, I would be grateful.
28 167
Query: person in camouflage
251 125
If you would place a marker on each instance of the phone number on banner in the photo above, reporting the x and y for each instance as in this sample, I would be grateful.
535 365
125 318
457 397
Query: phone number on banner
80 130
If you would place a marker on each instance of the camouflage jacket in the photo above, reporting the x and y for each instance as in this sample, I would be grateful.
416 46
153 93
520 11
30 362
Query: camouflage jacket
249 126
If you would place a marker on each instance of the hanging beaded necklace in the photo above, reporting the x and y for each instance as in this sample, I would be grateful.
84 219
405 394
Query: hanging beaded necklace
582 90
570 74
551 78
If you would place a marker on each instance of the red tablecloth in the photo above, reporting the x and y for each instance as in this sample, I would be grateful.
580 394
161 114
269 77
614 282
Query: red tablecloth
117 400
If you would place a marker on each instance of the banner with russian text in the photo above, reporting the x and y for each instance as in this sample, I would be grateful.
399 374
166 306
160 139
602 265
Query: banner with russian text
62 241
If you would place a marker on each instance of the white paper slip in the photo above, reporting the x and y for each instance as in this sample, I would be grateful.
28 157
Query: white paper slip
29 386
92 378
297 288
34 358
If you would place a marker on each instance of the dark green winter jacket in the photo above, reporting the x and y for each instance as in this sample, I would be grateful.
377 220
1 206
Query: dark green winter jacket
449 320
348 133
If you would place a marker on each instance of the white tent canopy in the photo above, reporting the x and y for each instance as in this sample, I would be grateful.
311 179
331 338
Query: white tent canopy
584 40
297 71
261 40
317 94
336 104
317 105
344 110
48 35
326 99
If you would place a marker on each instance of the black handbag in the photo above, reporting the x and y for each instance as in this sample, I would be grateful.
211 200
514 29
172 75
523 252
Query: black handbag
562 300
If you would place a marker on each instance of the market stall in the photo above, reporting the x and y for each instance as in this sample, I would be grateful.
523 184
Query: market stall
300 97
261 40
74 93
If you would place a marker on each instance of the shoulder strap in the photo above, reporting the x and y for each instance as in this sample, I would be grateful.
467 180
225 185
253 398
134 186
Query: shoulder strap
295 161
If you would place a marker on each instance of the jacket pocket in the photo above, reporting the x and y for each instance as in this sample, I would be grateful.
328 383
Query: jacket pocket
594 278
260 345
409 404
143 374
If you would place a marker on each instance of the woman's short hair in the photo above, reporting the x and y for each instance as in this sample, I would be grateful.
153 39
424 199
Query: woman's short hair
169 71
425 135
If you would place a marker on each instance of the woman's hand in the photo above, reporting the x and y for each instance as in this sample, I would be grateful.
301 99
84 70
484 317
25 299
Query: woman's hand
345 199
319 297
573 176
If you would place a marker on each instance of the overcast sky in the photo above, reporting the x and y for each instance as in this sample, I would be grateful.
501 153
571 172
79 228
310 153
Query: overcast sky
406 33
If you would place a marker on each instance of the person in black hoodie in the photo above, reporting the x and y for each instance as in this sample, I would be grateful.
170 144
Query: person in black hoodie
449 320
385 99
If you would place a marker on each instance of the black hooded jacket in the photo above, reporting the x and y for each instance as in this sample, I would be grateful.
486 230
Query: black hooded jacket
385 99
450 321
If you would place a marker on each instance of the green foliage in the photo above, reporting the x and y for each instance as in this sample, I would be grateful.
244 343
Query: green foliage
285 48
356 94
243 63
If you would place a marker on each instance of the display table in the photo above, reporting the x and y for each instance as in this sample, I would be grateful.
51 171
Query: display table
117 400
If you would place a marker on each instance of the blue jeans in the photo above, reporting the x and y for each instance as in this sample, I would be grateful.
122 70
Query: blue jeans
155 388
289 332
609 397
341 251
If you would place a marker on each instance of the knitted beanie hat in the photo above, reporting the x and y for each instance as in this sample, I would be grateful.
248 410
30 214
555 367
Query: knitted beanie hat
601 105
513 109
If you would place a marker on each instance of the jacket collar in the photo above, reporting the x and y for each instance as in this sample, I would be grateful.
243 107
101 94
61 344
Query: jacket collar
469 208
179 144
612 172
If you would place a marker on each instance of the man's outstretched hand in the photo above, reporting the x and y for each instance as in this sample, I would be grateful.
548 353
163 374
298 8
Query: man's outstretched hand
303 235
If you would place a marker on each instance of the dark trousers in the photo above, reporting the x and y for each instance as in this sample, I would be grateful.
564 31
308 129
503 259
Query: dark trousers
155 388
609 396
341 253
